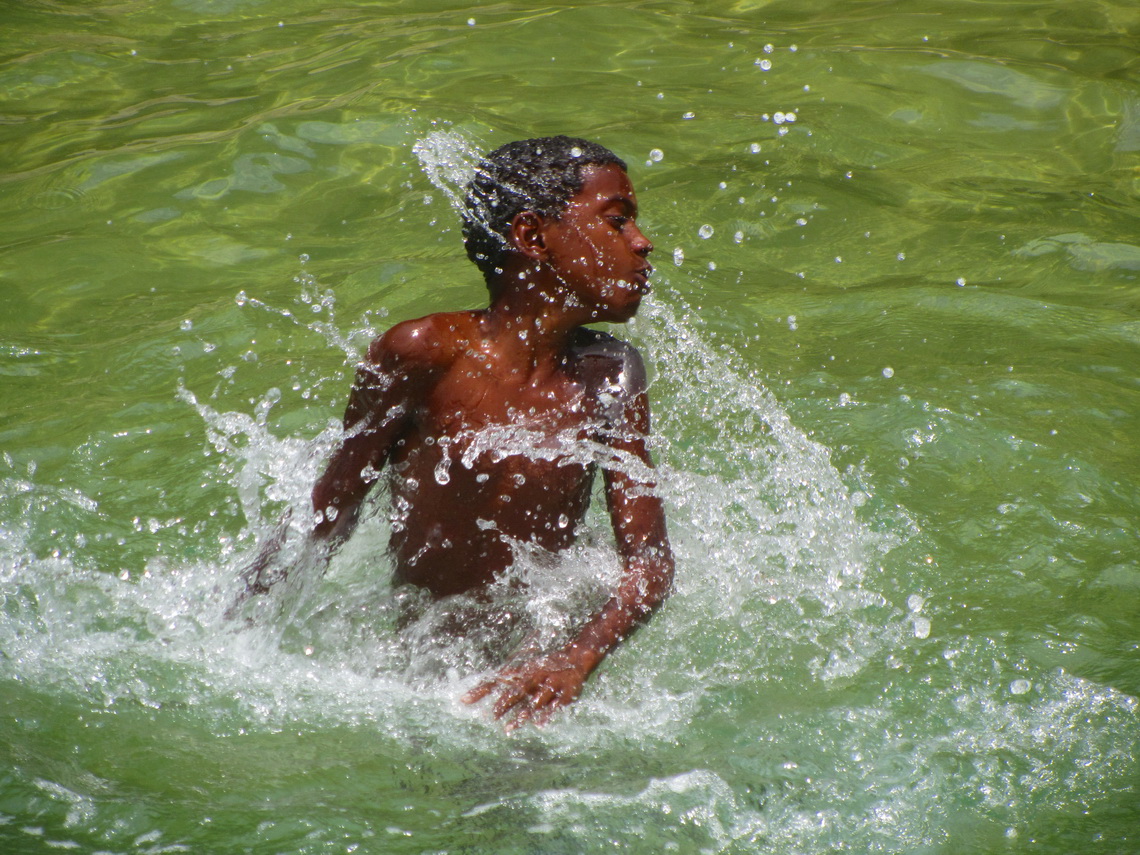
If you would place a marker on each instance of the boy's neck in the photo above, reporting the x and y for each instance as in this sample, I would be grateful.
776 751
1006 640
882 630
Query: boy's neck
531 322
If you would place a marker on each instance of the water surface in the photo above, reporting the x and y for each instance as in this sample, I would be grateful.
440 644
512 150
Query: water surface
894 345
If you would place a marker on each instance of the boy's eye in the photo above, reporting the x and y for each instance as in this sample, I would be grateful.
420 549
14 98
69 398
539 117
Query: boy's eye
619 222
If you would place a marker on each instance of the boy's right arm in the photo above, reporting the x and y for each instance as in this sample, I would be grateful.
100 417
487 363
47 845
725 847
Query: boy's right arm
389 382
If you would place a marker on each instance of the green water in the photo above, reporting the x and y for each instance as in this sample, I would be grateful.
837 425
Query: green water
896 395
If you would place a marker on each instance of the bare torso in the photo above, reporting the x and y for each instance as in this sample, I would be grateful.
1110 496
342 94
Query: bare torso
490 457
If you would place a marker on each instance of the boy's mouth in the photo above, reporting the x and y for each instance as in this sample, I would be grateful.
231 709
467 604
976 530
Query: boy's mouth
641 278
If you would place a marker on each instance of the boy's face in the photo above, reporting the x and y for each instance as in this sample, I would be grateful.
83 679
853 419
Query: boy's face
596 249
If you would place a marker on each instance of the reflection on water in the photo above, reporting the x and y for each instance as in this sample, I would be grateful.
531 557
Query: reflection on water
892 344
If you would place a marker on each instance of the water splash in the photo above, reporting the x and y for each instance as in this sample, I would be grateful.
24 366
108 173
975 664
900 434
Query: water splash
449 160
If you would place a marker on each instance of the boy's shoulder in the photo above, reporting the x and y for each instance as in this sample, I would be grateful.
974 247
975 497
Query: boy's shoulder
432 341
608 361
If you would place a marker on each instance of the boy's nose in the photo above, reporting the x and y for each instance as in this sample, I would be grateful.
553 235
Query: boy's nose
641 244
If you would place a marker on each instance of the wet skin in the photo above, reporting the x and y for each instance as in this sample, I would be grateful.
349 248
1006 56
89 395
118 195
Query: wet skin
491 425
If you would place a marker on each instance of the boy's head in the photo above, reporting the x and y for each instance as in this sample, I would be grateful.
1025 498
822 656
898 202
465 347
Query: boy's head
539 175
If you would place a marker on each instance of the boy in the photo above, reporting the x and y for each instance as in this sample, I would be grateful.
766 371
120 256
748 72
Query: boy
492 422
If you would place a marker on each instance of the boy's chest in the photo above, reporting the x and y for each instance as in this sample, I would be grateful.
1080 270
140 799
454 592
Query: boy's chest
471 398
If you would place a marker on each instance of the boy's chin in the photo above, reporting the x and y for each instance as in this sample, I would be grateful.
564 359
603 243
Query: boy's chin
618 314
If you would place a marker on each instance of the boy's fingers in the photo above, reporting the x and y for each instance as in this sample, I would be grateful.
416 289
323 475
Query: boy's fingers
510 698
479 692
543 697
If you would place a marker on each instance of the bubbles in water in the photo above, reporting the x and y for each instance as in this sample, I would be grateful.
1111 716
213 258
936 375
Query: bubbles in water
921 627
656 155
575 152
187 324
888 372
678 256
1020 687
705 231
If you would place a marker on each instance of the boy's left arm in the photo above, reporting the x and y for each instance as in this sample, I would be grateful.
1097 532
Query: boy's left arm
533 690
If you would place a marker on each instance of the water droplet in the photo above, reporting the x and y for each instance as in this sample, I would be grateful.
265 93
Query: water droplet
960 281
471 22
888 372
678 256
915 602
563 521
921 627
765 64
738 237
705 231
187 324
754 148
575 152
656 155
689 115
1020 687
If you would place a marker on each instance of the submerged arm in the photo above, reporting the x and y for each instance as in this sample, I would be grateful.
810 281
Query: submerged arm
387 382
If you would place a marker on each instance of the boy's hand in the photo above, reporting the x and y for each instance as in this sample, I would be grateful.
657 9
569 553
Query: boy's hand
533 690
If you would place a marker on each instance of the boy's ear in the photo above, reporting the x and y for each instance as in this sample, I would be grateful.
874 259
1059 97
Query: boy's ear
527 234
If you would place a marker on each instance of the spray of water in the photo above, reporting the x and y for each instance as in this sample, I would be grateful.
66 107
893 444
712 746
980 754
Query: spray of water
449 160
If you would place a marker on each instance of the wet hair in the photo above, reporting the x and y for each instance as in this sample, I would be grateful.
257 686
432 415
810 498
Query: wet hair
539 175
